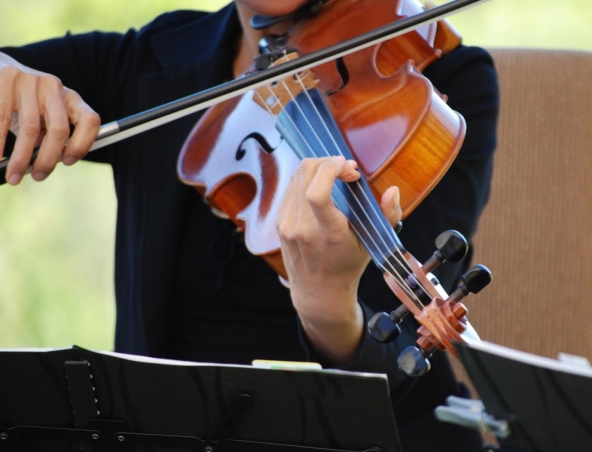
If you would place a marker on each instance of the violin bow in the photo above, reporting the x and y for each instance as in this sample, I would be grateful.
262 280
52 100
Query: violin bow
138 123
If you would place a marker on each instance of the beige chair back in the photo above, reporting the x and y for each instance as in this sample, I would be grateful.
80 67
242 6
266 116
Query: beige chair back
536 232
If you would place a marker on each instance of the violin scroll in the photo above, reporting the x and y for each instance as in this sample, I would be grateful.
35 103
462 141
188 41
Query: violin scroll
442 321
450 246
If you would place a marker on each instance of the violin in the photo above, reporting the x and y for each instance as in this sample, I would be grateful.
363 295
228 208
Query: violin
373 106
138 123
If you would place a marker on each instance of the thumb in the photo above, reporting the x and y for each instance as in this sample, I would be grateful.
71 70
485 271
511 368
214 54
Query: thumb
390 205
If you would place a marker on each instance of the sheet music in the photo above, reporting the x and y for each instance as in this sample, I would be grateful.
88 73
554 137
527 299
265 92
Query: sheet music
569 366
260 364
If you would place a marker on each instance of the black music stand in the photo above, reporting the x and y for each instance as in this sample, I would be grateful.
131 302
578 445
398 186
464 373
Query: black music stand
76 399
547 402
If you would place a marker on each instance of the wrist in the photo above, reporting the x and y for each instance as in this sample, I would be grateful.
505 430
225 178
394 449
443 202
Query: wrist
336 339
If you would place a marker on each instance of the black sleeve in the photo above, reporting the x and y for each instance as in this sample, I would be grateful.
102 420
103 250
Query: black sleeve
468 77
95 65
470 81
102 67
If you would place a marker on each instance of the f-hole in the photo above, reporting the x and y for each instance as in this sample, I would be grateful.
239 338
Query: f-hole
260 139
343 73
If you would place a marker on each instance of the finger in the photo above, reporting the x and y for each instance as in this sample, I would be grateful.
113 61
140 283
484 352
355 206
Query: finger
350 172
294 211
57 130
87 124
6 115
29 131
318 194
287 213
390 205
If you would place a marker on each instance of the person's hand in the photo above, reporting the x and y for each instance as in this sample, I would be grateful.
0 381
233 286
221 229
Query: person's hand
323 258
39 109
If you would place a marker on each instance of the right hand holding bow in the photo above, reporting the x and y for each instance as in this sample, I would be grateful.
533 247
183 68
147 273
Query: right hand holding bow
39 109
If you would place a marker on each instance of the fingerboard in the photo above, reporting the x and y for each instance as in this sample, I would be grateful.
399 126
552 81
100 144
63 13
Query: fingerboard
309 128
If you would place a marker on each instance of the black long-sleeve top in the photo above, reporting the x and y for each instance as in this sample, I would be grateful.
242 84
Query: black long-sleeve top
186 287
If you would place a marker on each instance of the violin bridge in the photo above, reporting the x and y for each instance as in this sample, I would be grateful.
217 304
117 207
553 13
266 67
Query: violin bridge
275 96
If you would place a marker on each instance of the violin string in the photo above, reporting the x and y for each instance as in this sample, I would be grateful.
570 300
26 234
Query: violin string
353 211
399 257
392 271
345 200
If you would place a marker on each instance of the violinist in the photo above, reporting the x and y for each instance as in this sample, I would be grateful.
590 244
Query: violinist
186 286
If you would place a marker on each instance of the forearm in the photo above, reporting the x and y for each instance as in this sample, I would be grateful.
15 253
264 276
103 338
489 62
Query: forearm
370 355
337 340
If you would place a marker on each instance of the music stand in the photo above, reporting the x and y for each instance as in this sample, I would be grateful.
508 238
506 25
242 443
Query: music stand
548 403
76 399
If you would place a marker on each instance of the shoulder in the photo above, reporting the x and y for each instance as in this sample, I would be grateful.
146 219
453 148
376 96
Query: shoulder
461 57
172 21
464 67
467 76
182 38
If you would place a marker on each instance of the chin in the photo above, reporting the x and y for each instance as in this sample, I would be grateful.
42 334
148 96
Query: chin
272 8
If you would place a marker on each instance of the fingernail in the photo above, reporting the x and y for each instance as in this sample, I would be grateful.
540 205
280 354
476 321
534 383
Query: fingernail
39 176
69 160
353 163
396 199
14 179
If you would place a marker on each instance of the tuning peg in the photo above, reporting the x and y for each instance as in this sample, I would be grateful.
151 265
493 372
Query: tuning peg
450 246
477 278
414 362
384 327
473 281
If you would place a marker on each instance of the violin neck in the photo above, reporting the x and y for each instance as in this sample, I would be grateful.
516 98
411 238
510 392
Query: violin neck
309 128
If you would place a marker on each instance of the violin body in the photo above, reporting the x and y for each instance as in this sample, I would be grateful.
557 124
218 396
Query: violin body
399 129
374 106
240 163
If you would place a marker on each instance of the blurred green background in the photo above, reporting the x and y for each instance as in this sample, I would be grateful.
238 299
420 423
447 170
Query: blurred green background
56 237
